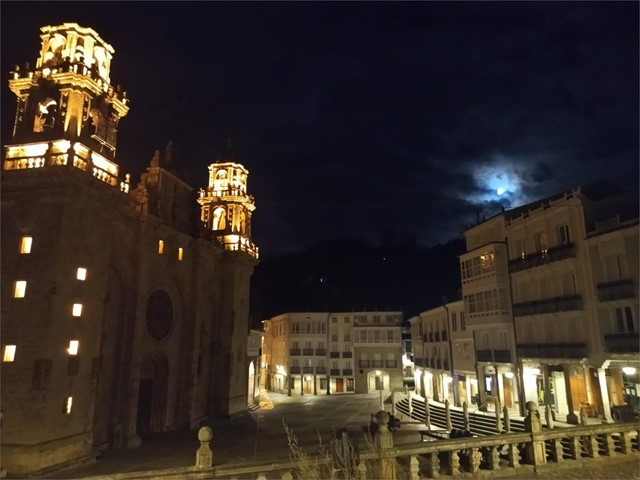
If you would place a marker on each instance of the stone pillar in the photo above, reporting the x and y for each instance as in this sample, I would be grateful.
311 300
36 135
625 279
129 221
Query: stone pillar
498 419
302 384
427 413
456 390
535 452
507 420
328 385
204 455
384 440
465 416
548 416
571 417
447 413
482 394
315 384
289 381
604 393
435 387
546 382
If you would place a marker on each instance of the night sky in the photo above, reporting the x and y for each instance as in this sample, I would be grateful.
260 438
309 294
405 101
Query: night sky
356 119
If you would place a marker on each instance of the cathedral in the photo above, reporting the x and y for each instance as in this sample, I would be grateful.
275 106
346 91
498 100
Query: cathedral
124 306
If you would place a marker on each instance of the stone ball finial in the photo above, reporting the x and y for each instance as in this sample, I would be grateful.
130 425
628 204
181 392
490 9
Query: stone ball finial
205 434
531 406
382 417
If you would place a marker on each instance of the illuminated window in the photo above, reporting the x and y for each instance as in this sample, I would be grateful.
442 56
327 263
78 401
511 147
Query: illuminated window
81 274
67 407
160 247
180 254
25 244
73 347
19 288
9 353
77 310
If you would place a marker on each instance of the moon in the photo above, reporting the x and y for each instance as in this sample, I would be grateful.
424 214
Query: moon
500 191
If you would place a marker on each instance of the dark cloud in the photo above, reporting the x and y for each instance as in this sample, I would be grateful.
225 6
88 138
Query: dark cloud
355 117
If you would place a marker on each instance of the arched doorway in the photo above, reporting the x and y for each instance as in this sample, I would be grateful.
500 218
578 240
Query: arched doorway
251 383
152 394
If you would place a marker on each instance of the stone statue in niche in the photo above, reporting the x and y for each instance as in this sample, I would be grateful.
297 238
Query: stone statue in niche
45 115
219 219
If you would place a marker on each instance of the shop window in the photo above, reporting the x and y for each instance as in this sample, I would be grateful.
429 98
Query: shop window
68 405
180 254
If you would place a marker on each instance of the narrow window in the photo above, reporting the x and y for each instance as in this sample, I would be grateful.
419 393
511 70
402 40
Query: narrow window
629 317
19 288
73 347
25 244
67 407
160 247
9 353
180 254
77 310
81 274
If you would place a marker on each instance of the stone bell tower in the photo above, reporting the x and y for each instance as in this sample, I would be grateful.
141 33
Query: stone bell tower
68 111
226 207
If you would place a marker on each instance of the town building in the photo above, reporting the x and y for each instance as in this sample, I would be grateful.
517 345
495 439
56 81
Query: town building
364 352
122 313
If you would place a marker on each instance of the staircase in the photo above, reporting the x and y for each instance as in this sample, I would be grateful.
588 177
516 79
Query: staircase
480 423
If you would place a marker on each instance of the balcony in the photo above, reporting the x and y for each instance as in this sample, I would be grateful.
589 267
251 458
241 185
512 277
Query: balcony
502 356
391 364
484 355
294 370
437 337
377 363
347 354
548 305
322 370
364 363
621 342
553 350
615 290
334 354
334 372
553 254
294 351
321 352
419 362
347 372
438 364
431 336
307 351
444 335
445 364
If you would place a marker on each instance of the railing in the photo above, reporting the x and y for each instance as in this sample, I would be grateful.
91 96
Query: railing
553 254
294 369
347 354
334 354
364 363
616 290
294 351
307 369
548 305
322 370
334 371
347 372
621 342
431 336
553 350
321 352
391 364
445 364
484 355
377 364
307 351
506 456
502 356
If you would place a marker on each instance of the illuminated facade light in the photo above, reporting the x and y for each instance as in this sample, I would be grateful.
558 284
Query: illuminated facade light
9 353
81 274
77 310
19 289
532 371
67 407
508 374
160 247
73 347
628 370
378 373
180 254
25 245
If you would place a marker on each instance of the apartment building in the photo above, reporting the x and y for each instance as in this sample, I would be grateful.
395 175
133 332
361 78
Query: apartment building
557 279
364 352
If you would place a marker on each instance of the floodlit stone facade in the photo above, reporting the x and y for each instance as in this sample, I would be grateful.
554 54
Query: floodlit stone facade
122 313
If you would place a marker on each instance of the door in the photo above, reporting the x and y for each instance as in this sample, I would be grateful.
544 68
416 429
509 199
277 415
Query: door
339 385
145 397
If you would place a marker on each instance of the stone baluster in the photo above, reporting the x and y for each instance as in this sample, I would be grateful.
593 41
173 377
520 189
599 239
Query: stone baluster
433 465
454 463
465 415
427 413
262 476
507 420
287 476
514 455
556 450
536 454
414 468
609 445
204 455
362 469
384 441
548 416
498 419
593 447
625 442
475 459
447 412
574 448
494 458
583 416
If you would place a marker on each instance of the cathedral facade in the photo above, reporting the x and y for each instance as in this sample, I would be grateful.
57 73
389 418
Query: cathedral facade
124 308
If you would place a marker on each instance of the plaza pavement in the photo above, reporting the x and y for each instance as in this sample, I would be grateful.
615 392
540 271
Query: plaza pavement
259 436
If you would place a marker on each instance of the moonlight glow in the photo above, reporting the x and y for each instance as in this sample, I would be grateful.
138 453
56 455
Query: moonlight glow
500 191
